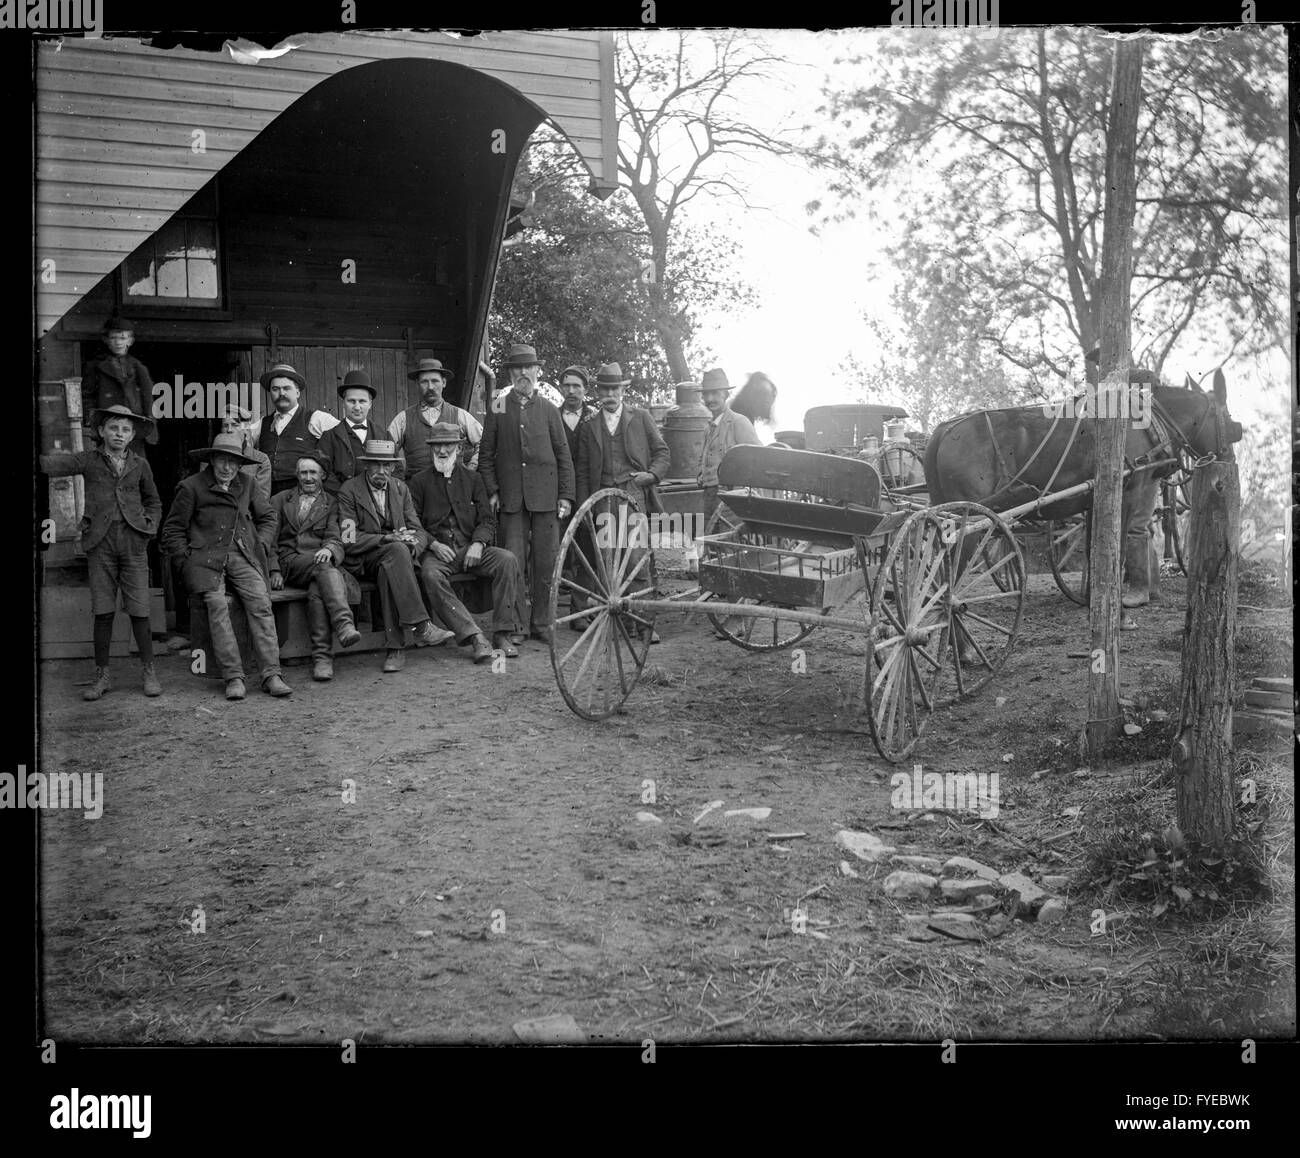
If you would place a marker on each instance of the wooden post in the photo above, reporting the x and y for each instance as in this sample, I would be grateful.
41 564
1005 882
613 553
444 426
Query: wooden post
1202 752
1110 426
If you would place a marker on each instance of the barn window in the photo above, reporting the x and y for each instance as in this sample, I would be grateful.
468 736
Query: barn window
180 264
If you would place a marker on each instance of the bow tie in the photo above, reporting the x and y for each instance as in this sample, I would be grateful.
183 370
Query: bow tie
358 426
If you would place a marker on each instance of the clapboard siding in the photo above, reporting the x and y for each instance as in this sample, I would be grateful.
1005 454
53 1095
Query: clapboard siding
114 119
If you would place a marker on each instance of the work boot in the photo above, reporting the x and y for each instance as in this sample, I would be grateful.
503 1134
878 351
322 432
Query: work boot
275 686
99 687
503 641
322 668
151 685
431 636
349 636
235 689
482 649
395 660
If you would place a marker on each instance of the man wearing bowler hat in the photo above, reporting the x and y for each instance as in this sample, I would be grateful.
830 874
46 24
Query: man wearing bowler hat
453 506
216 523
341 445
308 553
411 429
382 538
526 465
727 429
291 429
622 447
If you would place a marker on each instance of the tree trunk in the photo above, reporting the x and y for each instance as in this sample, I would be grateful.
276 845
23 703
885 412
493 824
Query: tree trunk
1104 718
1202 754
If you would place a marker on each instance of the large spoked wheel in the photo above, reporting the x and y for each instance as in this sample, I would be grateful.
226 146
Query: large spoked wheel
983 617
907 637
900 465
1068 543
752 632
610 560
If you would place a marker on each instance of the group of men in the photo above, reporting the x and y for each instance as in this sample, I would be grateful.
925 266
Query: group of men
308 500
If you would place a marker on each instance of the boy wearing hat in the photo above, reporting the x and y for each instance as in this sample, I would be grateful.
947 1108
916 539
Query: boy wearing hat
341 445
115 378
121 516
290 430
411 429
526 465
727 429
382 538
219 527
453 507
308 553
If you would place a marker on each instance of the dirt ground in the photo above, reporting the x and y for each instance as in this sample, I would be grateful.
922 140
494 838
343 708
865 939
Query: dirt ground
492 870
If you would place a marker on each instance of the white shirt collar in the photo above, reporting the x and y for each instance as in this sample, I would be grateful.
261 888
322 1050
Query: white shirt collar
612 419
282 420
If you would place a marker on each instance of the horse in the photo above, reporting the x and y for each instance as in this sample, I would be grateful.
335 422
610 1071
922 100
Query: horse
1005 458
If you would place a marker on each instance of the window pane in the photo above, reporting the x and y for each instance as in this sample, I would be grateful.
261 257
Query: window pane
171 277
202 278
202 239
138 273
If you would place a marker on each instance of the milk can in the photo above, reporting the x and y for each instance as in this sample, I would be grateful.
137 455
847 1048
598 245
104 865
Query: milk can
684 430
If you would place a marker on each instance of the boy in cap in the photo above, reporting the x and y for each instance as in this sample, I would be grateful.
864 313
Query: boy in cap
219 526
113 377
121 516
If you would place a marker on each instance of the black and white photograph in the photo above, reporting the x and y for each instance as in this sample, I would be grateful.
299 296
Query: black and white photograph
661 536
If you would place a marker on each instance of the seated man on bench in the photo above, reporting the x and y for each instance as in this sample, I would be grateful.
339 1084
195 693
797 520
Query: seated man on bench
453 506
308 553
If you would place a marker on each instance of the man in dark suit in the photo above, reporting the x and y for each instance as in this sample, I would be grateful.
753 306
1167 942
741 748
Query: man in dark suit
575 383
526 465
218 525
382 538
341 445
454 510
622 448
308 551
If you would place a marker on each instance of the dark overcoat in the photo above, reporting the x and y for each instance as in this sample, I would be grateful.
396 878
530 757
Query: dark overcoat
205 522
524 457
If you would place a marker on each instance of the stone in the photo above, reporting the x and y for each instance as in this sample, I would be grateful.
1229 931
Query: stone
749 813
648 818
848 870
1028 895
863 845
1056 884
920 864
1052 912
962 890
903 885
982 904
960 865
918 929
959 925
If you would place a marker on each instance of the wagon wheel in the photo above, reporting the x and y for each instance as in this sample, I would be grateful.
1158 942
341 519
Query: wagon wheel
983 618
908 633
750 631
900 465
1068 543
597 671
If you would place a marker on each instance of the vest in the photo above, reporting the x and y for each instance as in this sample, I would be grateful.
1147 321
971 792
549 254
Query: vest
615 466
286 448
447 530
418 452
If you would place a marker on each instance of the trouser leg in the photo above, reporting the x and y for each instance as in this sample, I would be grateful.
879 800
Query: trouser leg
318 625
514 532
328 581
544 535
503 569
225 650
248 584
436 577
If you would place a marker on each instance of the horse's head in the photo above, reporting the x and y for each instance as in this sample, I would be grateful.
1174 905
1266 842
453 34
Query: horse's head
1194 420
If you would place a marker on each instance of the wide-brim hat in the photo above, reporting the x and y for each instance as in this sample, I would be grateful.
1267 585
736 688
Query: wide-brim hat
282 370
579 371
425 365
444 432
231 444
379 450
521 355
357 380
143 426
715 379
611 374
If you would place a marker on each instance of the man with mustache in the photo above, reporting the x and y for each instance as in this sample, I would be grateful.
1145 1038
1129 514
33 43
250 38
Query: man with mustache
290 430
412 429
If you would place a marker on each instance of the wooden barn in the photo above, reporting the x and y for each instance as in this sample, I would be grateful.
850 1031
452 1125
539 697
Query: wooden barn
339 205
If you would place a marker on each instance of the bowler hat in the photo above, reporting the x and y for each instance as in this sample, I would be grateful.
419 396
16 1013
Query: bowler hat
521 355
444 432
357 379
424 365
715 379
379 450
231 444
282 370
611 374
579 371
118 323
